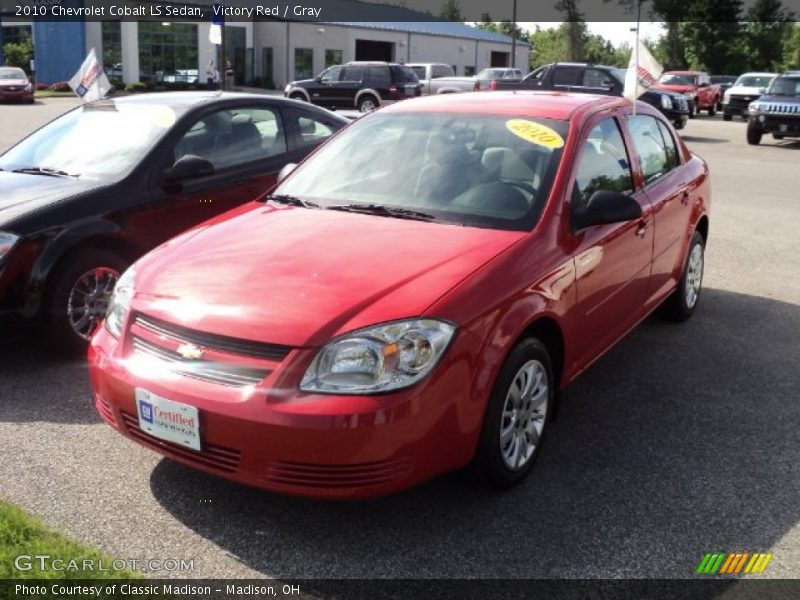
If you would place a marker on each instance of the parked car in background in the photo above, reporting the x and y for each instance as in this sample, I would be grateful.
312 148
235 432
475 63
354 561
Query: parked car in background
696 86
439 78
724 82
598 79
427 280
361 85
777 111
87 194
15 85
487 79
747 88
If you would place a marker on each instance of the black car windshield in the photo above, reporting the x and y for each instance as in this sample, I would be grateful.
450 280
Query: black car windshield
465 169
673 79
755 80
101 140
12 74
785 86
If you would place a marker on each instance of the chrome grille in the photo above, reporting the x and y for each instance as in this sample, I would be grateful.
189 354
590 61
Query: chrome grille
781 109
211 371
222 343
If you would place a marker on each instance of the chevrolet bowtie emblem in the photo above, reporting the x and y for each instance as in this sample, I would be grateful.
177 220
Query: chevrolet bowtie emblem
190 351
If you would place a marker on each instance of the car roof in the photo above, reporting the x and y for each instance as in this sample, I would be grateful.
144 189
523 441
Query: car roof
682 72
758 74
544 105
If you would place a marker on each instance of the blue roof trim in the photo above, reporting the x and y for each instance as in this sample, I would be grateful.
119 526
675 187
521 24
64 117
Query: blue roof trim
444 28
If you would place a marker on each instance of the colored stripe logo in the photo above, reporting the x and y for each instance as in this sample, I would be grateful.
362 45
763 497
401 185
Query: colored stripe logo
745 563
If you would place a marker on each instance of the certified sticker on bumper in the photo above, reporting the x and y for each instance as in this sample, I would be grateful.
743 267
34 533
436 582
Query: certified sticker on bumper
168 420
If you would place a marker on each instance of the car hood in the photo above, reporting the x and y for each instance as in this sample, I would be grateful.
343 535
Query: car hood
681 89
14 82
743 90
302 82
298 276
21 193
780 99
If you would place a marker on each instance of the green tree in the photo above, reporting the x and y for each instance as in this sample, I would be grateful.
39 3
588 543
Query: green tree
18 54
791 50
451 11
712 36
767 28
575 25
547 45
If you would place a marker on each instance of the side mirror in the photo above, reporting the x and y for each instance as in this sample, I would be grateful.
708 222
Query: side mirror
606 207
762 90
188 166
284 172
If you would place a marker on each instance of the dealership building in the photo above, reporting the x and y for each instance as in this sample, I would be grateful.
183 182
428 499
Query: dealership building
261 52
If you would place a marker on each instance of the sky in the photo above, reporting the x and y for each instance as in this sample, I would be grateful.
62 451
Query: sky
615 32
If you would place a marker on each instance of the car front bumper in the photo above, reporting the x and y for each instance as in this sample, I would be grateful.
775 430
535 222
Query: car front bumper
6 95
302 444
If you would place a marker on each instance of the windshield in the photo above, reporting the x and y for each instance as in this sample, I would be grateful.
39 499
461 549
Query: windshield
673 79
723 79
478 170
101 140
491 73
12 74
785 86
755 80
618 74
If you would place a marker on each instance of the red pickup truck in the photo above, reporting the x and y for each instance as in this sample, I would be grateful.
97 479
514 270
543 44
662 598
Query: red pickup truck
696 86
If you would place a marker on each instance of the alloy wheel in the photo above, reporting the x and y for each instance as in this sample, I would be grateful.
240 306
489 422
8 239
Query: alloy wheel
524 415
88 300
694 275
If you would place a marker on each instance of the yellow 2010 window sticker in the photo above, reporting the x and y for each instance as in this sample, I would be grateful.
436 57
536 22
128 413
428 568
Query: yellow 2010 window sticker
535 133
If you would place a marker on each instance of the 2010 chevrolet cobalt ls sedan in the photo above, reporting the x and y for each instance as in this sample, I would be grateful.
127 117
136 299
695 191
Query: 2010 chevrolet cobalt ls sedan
410 298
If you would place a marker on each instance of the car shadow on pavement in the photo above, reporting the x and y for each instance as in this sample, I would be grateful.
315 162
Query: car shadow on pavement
682 440
37 383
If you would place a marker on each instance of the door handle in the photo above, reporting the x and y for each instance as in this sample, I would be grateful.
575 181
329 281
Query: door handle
642 228
685 197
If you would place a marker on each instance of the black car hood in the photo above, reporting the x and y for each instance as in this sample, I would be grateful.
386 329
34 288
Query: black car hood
21 193
303 82
780 99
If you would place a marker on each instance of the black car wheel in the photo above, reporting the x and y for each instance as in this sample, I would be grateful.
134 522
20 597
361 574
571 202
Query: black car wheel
679 123
754 134
692 109
777 136
298 96
680 305
712 110
79 295
516 416
727 117
368 103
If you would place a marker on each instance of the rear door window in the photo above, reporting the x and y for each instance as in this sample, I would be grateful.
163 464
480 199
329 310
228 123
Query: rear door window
650 147
567 76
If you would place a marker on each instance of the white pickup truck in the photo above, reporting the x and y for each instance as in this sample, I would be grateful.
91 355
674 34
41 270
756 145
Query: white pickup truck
439 78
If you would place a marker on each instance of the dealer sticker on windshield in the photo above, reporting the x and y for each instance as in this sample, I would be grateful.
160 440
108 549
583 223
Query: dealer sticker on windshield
535 133
168 420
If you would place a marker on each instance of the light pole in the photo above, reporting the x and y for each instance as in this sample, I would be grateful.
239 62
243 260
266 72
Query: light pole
514 34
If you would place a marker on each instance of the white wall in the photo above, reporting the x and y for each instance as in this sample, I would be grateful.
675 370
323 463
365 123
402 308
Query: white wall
129 33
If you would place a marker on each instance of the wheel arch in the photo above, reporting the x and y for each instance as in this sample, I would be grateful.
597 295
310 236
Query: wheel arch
702 227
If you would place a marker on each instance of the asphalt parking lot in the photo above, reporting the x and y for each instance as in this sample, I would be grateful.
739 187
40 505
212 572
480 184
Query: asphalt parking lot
682 440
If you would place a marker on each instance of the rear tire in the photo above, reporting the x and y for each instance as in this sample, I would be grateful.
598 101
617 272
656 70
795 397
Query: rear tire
368 103
78 299
681 304
754 134
727 117
516 416
297 96
712 110
692 109
777 136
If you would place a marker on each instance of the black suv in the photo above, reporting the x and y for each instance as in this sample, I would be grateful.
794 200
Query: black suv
777 111
598 79
361 85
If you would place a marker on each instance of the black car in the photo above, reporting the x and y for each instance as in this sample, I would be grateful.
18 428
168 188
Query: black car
361 85
725 82
87 194
598 79
777 111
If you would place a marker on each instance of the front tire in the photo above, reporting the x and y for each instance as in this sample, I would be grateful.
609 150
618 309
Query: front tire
712 110
754 134
681 304
692 109
298 96
727 117
516 416
777 136
78 298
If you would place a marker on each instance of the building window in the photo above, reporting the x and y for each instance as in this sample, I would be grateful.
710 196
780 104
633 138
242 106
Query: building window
469 71
303 63
168 52
333 57
267 73
17 34
112 49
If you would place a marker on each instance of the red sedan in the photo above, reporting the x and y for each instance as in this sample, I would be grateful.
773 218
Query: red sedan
409 300
15 85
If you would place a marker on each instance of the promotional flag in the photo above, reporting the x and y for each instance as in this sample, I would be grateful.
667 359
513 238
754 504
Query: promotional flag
217 22
642 76
90 82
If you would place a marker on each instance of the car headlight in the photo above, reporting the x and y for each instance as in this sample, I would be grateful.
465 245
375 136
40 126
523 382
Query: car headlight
287 88
378 359
690 95
726 97
29 87
120 303
754 108
666 102
7 242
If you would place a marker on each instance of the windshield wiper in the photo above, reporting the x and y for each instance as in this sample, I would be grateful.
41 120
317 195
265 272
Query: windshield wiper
384 211
292 201
44 171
